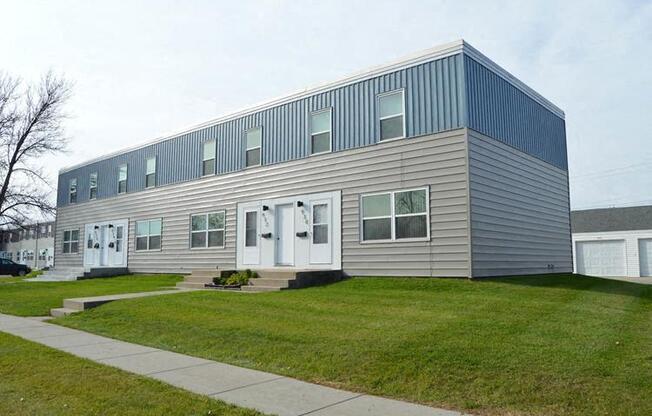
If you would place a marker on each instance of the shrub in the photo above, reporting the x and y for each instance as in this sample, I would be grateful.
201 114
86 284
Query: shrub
239 278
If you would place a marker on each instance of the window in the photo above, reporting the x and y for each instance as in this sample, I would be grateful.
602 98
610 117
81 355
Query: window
320 224
150 173
148 235
208 158
251 228
122 179
391 115
207 230
92 186
399 215
320 131
70 241
254 137
72 191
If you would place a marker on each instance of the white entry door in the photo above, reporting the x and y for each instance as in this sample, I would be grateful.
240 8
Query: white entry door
284 234
645 256
321 240
601 258
105 244
251 240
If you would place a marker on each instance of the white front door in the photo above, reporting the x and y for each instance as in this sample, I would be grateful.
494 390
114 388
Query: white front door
321 240
284 234
105 244
251 240
601 258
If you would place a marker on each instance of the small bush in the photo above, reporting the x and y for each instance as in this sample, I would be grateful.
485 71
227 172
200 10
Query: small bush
233 278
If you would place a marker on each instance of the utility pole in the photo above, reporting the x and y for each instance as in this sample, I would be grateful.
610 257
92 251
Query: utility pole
36 254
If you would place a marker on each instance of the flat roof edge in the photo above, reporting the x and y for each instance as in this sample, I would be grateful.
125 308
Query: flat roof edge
437 52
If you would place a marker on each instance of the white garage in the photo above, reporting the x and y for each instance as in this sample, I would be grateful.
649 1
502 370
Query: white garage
613 242
601 258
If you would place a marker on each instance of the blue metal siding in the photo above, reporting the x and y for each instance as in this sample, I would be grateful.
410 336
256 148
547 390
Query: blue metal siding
502 111
434 102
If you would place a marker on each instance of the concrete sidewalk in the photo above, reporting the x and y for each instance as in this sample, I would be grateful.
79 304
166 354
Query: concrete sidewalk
266 392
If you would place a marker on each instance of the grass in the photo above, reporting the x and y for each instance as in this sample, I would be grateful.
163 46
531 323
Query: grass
36 380
560 345
22 298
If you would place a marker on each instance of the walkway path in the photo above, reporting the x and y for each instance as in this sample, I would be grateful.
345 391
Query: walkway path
268 393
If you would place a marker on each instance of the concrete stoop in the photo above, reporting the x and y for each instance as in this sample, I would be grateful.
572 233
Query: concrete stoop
277 280
198 278
68 274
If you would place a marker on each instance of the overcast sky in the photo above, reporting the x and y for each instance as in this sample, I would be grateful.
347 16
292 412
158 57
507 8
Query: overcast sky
143 69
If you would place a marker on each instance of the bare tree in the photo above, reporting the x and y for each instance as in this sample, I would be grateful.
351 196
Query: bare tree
30 128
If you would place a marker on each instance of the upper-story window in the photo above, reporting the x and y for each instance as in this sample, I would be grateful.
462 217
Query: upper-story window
399 215
254 138
92 186
72 191
150 173
392 115
208 158
122 179
320 131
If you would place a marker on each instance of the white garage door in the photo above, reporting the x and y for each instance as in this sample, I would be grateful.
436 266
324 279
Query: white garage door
601 258
645 256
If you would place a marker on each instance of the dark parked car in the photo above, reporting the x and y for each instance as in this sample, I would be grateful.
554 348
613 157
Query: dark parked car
14 269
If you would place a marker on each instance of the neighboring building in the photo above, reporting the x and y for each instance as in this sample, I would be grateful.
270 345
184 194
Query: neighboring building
31 245
442 164
613 241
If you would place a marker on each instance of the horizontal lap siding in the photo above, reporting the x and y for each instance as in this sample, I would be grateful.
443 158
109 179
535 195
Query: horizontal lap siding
434 102
519 211
437 161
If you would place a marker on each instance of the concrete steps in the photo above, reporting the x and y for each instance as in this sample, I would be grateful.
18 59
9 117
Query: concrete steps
59 312
59 274
274 280
198 278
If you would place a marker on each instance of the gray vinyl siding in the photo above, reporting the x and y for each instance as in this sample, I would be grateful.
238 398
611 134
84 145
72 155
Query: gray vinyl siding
502 111
437 161
434 102
519 211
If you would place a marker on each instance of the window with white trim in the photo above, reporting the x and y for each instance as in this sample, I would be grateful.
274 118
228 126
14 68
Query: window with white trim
72 191
150 172
397 215
70 241
253 143
148 235
391 112
122 179
207 230
92 186
320 131
208 158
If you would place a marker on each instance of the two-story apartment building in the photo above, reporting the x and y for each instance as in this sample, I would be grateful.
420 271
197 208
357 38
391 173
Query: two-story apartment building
31 245
440 164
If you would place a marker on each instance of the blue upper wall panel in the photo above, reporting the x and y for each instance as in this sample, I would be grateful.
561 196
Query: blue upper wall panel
434 102
500 110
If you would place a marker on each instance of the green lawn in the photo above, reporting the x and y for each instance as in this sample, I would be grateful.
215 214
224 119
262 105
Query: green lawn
36 380
37 298
559 345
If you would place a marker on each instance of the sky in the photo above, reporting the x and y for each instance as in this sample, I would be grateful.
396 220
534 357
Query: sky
145 69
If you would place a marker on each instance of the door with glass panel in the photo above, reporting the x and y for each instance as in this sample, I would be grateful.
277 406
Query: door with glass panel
251 240
321 244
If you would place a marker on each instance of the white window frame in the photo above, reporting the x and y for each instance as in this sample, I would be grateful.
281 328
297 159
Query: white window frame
126 178
90 187
330 130
207 230
70 191
393 217
148 220
384 94
147 172
70 241
204 159
260 147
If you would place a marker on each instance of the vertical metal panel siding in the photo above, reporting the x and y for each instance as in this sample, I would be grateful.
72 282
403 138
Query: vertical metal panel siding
434 98
502 111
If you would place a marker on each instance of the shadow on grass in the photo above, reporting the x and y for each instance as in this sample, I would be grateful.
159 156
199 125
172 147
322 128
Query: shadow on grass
577 282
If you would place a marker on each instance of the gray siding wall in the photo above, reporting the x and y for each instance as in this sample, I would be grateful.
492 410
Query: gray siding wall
434 102
438 161
500 110
519 211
